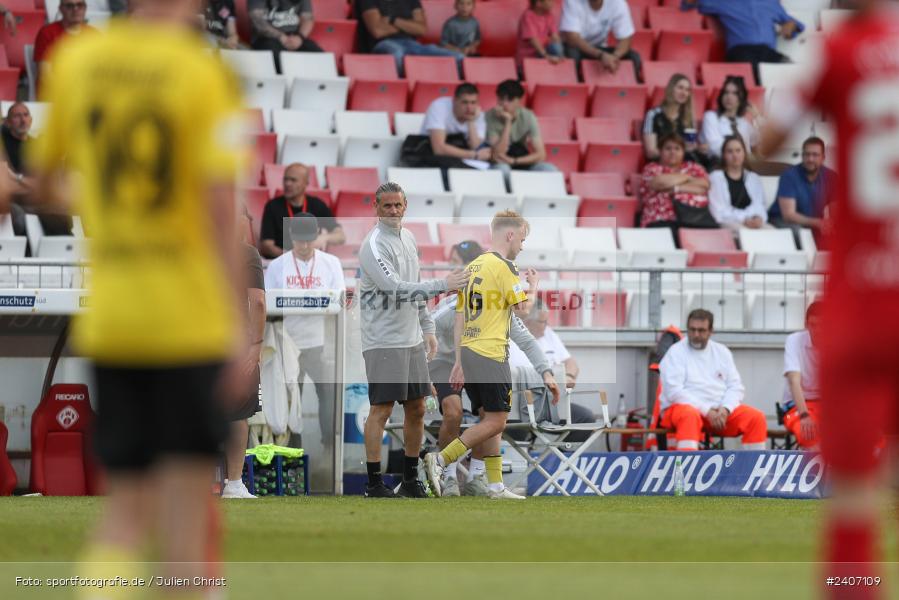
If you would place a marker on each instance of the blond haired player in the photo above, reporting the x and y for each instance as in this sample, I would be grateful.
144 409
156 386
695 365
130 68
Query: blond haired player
146 122
484 312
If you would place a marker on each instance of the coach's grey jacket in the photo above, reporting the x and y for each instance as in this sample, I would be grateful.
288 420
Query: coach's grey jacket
393 300
444 318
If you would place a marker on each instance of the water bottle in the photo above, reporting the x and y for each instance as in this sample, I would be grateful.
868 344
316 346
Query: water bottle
622 411
432 407
678 477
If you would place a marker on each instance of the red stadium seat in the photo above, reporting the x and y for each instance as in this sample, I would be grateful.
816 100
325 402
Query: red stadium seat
255 120
357 228
700 100
657 74
347 253
453 233
8 479
265 146
387 96
354 204
9 83
643 42
619 102
482 70
638 16
560 100
602 130
712 248
427 91
430 68
431 254
17 5
691 46
330 9
555 128
4 59
620 208
558 305
499 26
734 259
420 229
608 309
668 17
255 199
337 36
243 21
566 156
352 179
62 451
714 74
624 157
540 70
597 185
273 175
370 67
28 23
595 74
437 12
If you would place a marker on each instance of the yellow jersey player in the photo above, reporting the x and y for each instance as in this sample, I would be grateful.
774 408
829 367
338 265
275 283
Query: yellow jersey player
484 312
145 127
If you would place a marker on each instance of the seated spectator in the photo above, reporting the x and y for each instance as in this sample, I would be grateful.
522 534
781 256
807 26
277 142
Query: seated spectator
15 132
736 194
749 28
391 26
702 391
804 191
538 34
9 19
220 22
282 25
586 25
72 22
293 202
801 392
673 192
730 118
673 116
462 33
514 134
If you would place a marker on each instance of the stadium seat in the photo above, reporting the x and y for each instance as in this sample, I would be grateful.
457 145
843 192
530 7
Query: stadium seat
482 206
319 94
489 71
569 100
727 307
540 70
651 248
536 183
330 9
638 14
431 254
302 122
255 199
431 207
711 248
544 258
555 128
358 123
371 151
831 19
474 181
453 233
61 446
783 311
388 96
265 150
770 184
267 93
335 35
714 74
356 229
673 309
608 309
688 46
347 253
772 250
619 102
596 212
499 26
426 92
732 259
354 204
623 157
781 75
597 185
657 74
8 479
597 129
370 67
9 84
319 150
812 5
565 156
256 120
643 42
273 177
437 12
249 63
805 48
405 124
419 181
308 65
591 246
558 304
352 179
420 230
557 211
430 68
671 17
595 74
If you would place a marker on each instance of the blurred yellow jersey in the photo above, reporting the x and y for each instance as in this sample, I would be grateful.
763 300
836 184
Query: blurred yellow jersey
145 119
494 287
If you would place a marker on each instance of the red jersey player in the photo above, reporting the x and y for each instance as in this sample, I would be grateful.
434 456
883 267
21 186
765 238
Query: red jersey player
857 87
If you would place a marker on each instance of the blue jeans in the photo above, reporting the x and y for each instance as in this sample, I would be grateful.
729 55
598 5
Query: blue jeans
555 49
632 55
400 47
506 169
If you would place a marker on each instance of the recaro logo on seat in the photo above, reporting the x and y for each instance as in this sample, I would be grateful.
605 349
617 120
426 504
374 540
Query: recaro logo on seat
66 397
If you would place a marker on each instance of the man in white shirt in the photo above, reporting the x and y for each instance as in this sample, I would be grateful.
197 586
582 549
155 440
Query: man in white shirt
585 28
702 390
801 391
306 268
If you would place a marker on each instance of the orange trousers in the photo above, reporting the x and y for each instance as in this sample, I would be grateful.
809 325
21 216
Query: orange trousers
792 422
689 425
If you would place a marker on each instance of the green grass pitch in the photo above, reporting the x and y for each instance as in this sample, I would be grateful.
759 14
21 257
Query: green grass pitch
613 547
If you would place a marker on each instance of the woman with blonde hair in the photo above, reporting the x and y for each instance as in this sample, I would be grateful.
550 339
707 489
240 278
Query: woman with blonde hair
673 116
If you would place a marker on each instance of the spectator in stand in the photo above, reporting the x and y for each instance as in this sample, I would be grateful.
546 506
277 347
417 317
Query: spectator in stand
586 25
674 191
462 32
514 134
673 116
750 28
538 34
391 26
702 390
736 194
72 22
282 25
293 202
15 133
220 22
802 391
9 20
804 191
735 116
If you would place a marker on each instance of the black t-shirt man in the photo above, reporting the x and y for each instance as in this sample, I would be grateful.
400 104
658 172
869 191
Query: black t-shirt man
276 210
400 9
13 147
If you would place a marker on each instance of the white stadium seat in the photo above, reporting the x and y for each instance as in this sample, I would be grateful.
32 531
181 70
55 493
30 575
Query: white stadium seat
474 181
542 258
321 151
476 206
770 184
791 6
727 307
777 310
831 18
251 63
419 181
673 309
772 250
777 75
802 49
440 206
267 93
537 183
360 123
539 208
327 94
301 122
308 65
651 248
592 247
406 124
381 153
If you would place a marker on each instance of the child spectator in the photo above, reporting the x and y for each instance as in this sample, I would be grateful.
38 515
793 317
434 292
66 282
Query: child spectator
462 32
538 34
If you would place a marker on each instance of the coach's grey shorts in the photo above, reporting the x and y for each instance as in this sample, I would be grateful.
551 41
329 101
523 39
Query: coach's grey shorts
397 374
